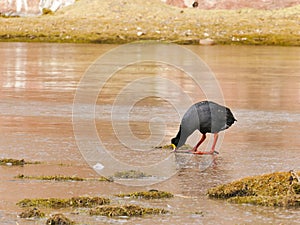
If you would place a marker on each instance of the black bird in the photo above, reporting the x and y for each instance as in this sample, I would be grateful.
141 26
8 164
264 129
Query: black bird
207 117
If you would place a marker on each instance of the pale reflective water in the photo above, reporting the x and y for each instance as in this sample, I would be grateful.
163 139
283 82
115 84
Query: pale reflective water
38 83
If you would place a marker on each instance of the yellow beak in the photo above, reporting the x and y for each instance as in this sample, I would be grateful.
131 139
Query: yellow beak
173 147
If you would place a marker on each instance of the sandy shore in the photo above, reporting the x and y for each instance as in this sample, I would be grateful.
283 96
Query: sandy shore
111 21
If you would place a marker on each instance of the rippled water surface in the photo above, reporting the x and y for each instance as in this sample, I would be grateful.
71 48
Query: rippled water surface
38 83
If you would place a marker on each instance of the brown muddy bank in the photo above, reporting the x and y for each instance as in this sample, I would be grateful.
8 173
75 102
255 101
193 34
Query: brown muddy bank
133 20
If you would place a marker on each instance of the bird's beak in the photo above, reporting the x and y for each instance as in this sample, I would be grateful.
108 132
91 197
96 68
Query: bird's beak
173 147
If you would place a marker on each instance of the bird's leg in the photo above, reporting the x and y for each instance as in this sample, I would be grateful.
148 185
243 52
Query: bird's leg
199 143
216 135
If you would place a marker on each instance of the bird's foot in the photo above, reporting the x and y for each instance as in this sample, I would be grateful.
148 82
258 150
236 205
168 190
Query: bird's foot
206 153
194 150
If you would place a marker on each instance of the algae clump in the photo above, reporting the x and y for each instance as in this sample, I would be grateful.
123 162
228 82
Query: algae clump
169 147
15 162
275 189
130 174
125 210
57 203
59 219
55 178
61 178
32 213
152 194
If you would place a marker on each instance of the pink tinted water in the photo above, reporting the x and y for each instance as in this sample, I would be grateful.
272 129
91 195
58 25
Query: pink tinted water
38 83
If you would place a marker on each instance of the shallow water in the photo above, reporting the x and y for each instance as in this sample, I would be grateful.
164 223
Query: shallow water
38 85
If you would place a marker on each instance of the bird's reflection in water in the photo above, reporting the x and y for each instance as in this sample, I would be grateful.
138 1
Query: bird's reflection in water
186 160
199 173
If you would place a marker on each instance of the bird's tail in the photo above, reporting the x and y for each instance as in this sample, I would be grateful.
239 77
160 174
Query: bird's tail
229 117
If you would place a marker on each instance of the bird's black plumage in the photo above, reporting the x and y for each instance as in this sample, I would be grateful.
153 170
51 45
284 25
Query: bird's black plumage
205 116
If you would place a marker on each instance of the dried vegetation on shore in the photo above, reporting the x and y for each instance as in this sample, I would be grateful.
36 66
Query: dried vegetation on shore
133 20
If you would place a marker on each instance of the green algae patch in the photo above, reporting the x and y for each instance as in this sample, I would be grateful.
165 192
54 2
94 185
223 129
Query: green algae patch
130 174
199 213
32 213
277 201
125 210
169 147
59 219
74 202
55 178
152 194
275 189
15 162
12 162
61 178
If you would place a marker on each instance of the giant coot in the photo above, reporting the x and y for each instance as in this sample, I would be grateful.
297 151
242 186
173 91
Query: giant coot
207 117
